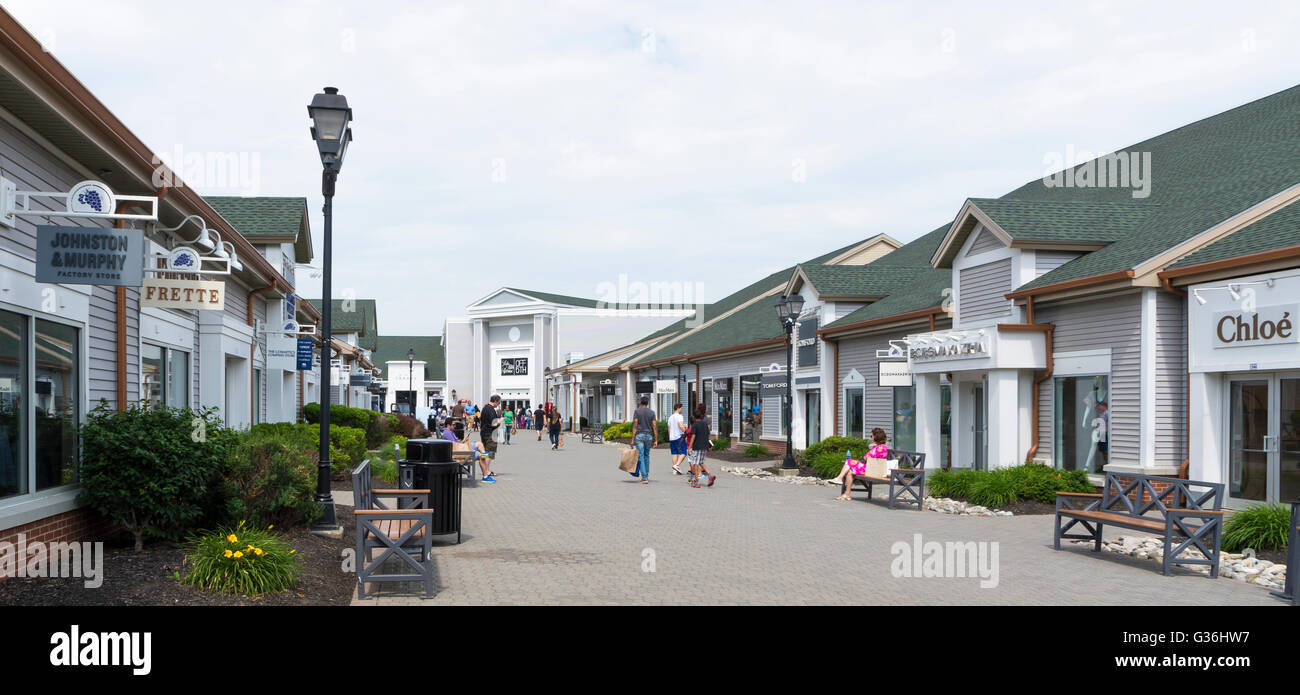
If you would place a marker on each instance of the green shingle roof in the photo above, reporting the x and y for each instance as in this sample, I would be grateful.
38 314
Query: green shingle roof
263 219
426 347
1065 220
359 318
869 281
556 298
925 291
1201 174
1277 231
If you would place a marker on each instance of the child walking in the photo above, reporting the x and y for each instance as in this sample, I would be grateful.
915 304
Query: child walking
699 443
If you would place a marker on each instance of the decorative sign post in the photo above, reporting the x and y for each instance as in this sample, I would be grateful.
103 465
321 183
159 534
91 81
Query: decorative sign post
305 354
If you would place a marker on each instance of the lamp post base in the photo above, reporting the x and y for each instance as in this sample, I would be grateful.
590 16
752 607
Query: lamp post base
787 472
327 525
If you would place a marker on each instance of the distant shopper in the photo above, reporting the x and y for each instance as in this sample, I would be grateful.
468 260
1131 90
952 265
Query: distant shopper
853 466
700 444
645 437
509 423
553 429
677 438
489 420
539 421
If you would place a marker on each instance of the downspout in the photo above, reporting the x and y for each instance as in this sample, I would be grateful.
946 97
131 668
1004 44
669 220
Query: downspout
1048 331
1183 471
252 349
835 383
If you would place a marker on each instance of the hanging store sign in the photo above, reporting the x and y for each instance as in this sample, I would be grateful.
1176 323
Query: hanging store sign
773 384
807 344
665 386
89 256
893 374
645 387
360 379
607 389
195 295
281 352
722 385
305 354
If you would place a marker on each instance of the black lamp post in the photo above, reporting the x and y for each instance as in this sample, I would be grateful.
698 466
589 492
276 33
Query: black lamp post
410 378
330 117
788 310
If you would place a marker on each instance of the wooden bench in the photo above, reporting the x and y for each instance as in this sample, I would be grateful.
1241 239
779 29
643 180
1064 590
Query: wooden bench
402 533
908 479
593 436
1167 507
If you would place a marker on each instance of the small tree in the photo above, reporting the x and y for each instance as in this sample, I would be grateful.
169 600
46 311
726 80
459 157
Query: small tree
149 470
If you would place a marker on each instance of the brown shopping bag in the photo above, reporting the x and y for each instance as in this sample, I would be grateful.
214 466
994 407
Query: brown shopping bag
627 461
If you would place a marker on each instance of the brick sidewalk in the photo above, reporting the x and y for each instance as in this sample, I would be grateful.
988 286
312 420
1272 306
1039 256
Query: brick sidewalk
568 527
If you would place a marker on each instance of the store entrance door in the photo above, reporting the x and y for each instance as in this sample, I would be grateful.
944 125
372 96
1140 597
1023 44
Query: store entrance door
980 427
1264 439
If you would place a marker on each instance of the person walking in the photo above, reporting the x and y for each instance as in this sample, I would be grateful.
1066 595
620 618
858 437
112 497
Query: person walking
700 445
489 420
677 438
645 437
539 420
509 423
556 424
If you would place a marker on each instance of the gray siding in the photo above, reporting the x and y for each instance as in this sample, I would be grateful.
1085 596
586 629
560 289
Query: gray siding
982 291
860 353
733 367
31 167
1171 379
1047 261
259 314
1114 322
985 241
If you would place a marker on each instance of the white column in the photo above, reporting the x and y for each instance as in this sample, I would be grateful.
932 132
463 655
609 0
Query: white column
1147 397
1004 418
927 418
1208 446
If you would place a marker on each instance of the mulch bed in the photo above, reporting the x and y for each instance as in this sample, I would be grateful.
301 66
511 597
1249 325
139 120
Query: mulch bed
148 578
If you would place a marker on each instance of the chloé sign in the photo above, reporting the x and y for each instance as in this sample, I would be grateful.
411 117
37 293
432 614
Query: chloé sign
1267 326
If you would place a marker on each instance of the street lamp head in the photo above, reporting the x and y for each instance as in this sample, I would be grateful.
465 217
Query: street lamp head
796 305
330 117
788 309
410 355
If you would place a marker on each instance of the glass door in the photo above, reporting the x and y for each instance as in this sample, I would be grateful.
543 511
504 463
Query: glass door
854 413
1249 440
812 411
751 412
1288 477
980 427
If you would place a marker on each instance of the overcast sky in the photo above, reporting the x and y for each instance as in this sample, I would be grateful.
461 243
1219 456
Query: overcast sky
557 145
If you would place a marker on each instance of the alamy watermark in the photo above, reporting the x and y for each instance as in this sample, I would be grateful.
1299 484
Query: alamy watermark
652 298
1130 170
931 559
61 560
239 172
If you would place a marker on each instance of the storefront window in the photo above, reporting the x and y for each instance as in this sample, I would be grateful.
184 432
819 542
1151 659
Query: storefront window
945 426
57 392
751 411
904 418
854 413
166 376
1081 423
13 408
707 401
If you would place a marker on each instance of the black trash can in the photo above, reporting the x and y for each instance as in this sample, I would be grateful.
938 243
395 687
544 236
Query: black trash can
428 466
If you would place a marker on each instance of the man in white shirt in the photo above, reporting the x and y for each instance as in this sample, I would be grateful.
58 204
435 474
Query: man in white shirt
677 437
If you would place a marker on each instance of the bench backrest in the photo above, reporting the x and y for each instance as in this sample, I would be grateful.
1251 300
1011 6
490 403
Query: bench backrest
908 459
1137 495
361 486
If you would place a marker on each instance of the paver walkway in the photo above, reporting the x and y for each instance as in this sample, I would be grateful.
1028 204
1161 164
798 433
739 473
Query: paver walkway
567 527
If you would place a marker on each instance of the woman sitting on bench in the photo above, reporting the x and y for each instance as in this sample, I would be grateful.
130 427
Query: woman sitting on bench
475 448
854 467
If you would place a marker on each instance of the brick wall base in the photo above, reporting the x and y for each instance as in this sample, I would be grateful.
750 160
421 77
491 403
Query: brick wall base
76 525
775 447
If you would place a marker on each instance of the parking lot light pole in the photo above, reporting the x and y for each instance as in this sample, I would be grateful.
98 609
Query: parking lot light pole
330 117
788 310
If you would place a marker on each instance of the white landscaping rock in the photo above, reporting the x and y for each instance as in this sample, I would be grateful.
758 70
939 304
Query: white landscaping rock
1236 566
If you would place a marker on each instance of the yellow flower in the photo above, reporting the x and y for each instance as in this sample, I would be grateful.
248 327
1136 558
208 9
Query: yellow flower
268 528
258 552
291 552
228 553
239 554
250 547
232 538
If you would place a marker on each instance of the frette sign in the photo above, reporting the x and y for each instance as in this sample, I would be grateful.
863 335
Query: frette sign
195 295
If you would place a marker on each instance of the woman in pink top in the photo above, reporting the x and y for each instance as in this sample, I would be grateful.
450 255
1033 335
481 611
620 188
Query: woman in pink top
855 467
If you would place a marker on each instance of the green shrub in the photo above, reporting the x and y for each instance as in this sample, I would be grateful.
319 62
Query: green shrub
411 428
1259 526
376 426
1003 486
722 443
269 476
756 451
583 423
242 560
827 456
351 443
150 470
662 426
619 430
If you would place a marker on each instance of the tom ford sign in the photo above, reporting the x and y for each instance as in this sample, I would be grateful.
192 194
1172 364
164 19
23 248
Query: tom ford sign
1267 326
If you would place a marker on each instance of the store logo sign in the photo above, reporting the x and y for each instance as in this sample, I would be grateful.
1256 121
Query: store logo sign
195 295
92 197
1271 325
968 348
183 260
89 255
